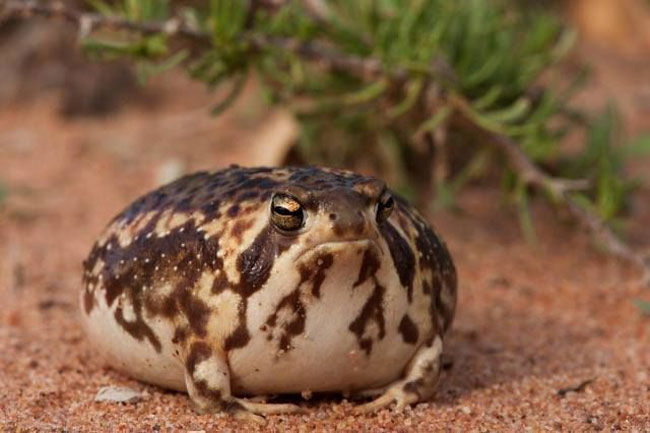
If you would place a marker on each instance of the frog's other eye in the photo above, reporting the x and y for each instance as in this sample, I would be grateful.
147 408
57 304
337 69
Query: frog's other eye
385 206
286 212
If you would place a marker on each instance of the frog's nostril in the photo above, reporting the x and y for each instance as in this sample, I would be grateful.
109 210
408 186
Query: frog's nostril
333 216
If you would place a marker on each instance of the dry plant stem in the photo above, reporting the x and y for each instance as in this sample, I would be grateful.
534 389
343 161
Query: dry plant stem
614 244
561 190
363 67
325 56
533 175
441 162
88 22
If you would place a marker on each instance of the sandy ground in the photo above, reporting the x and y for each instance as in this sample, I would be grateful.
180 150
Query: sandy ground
546 337
532 321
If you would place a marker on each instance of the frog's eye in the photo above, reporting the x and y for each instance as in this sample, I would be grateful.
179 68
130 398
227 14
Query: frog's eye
385 206
286 212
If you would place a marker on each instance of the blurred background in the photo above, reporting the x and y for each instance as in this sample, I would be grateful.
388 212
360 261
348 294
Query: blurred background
88 126
566 81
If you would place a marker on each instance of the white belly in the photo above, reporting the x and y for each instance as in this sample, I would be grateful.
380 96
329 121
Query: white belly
326 356
137 358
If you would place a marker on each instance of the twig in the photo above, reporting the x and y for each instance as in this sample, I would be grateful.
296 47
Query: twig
614 244
88 22
562 189
533 175
530 173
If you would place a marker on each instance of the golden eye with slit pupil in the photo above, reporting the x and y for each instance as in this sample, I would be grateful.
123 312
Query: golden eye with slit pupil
286 212
385 206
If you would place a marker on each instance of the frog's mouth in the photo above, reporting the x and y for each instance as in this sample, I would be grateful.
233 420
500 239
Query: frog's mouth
361 244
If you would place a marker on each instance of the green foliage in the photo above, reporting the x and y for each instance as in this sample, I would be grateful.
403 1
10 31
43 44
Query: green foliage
643 306
446 68
603 164
141 48
146 69
3 194
133 10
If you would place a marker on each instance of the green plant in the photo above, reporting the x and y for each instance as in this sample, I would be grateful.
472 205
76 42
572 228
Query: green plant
642 306
431 93
3 194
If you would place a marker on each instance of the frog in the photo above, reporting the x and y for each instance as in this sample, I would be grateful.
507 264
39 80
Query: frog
244 282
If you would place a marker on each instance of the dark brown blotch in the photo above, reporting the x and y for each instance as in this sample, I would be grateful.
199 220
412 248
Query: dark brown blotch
199 352
408 330
240 227
403 257
138 329
414 387
240 336
369 266
293 326
194 310
220 283
233 211
315 271
373 310
89 300
180 335
254 264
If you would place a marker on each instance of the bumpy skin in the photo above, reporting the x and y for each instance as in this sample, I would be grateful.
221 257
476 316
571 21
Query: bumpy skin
192 287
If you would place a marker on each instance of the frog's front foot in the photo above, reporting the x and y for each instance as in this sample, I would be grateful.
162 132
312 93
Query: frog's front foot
250 411
418 384
246 410
207 378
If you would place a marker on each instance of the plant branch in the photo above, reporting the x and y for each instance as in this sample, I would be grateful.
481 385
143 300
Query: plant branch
326 57
87 22
562 189
531 174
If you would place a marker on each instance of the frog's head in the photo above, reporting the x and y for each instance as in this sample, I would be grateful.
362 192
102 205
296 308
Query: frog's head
329 228
330 214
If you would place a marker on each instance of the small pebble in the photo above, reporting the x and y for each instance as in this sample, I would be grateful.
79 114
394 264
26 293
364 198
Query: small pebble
118 394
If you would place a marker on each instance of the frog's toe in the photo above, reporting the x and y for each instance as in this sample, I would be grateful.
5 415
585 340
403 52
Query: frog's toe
246 416
207 379
418 384
393 395
249 411
268 408
366 393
